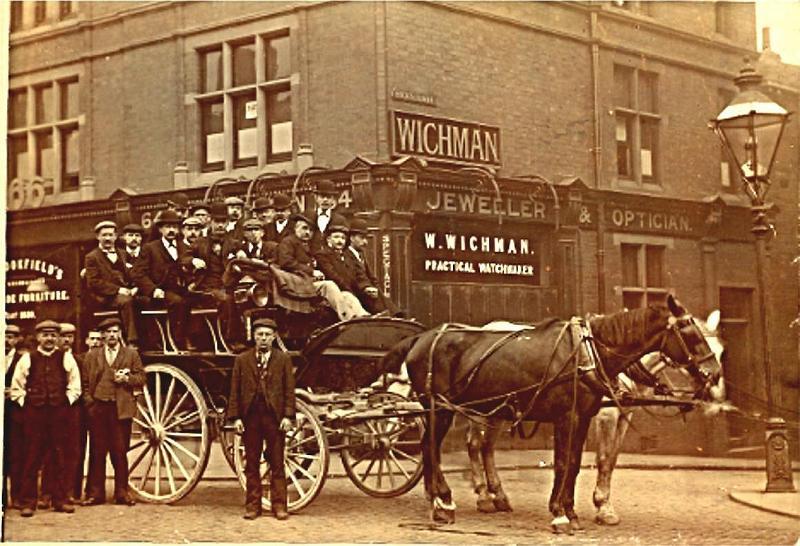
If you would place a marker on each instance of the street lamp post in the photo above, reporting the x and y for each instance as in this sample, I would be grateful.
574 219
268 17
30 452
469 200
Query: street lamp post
750 128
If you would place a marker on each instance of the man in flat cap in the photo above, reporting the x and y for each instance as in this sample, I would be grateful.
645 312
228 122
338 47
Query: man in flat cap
262 406
331 262
109 280
368 293
191 229
109 377
46 383
325 198
159 276
279 228
235 207
13 450
202 212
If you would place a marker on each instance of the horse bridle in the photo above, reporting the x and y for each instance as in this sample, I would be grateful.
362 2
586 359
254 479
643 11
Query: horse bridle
688 324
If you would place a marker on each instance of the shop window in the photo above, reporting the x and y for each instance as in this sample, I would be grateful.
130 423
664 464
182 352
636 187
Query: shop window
43 135
637 124
642 275
245 102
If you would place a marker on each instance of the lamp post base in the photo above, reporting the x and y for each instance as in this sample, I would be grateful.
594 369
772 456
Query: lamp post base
779 463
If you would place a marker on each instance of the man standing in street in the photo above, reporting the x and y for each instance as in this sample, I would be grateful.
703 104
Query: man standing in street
13 450
46 383
94 339
109 377
262 406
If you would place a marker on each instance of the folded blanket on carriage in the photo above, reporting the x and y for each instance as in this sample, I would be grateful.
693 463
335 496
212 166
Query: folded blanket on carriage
293 292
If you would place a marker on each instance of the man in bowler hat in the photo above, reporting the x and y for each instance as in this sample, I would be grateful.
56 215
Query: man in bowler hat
109 376
262 406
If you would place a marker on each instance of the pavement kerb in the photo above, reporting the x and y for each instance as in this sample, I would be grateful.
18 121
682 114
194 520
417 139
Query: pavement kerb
783 503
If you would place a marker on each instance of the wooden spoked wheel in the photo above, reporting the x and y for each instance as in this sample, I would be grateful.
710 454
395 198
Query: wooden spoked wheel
170 437
382 456
306 460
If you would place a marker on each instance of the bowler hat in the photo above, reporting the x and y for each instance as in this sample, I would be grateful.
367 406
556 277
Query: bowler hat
264 323
252 223
179 200
167 217
13 329
219 211
133 228
326 187
233 200
48 325
281 201
66 328
299 217
338 223
108 323
358 225
104 224
262 203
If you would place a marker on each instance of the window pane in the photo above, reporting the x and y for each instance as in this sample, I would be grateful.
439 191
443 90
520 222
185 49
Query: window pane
623 84
655 266
245 111
45 158
278 58
630 265
244 64
632 300
70 101
648 92
656 298
16 16
18 157
212 128
44 104
280 123
70 159
623 136
64 8
39 12
649 148
211 68
17 109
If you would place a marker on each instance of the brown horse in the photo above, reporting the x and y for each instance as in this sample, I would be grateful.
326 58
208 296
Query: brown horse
548 373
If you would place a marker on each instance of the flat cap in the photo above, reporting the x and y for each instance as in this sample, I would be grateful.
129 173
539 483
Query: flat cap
104 224
358 225
281 201
251 223
219 211
199 206
262 203
13 329
326 187
133 228
66 328
265 323
167 217
180 200
233 200
193 221
299 217
108 323
48 325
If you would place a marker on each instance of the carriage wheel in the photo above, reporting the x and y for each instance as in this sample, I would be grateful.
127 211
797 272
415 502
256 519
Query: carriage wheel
170 437
306 460
226 440
382 457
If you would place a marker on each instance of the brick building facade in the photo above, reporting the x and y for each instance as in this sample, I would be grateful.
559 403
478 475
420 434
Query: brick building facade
590 119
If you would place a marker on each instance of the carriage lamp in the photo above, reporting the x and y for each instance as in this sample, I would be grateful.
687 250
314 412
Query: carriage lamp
750 128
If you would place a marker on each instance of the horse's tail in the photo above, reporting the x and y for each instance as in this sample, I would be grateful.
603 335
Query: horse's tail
393 360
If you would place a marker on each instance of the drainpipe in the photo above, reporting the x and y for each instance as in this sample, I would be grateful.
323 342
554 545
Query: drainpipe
598 162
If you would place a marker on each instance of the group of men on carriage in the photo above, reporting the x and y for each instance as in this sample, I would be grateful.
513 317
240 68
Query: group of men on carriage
198 256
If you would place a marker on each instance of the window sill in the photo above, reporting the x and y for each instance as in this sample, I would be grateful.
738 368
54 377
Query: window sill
19 37
628 184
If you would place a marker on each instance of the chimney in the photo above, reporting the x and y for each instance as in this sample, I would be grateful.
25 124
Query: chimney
765 42
305 157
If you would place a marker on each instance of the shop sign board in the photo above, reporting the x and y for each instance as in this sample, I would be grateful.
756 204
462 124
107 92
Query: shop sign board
39 285
443 139
451 249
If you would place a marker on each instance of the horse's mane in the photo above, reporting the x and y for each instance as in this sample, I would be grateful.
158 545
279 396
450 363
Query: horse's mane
629 327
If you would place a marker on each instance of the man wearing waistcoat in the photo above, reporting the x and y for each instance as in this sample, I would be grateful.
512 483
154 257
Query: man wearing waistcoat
262 406
109 377
45 384
13 451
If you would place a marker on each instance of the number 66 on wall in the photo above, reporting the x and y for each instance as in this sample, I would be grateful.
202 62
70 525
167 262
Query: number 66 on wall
24 193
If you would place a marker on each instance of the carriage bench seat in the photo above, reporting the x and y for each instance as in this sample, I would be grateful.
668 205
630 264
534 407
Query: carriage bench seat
105 314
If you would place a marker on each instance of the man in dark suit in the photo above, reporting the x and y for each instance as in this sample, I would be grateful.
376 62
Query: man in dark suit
107 278
159 276
13 450
370 296
108 378
94 340
325 199
45 384
280 226
331 260
132 238
262 406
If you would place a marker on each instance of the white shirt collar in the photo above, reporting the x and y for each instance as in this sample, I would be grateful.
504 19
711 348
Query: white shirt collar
131 252
45 353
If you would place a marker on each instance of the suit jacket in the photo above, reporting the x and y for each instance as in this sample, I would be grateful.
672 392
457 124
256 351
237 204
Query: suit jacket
94 364
211 252
271 232
335 267
103 278
295 256
156 269
266 253
361 265
277 385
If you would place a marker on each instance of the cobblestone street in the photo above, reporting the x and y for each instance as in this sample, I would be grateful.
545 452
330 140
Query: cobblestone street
656 506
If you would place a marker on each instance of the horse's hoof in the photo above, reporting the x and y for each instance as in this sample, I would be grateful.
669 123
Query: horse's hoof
443 516
561 525
502 504
486 505
575 525
606 516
